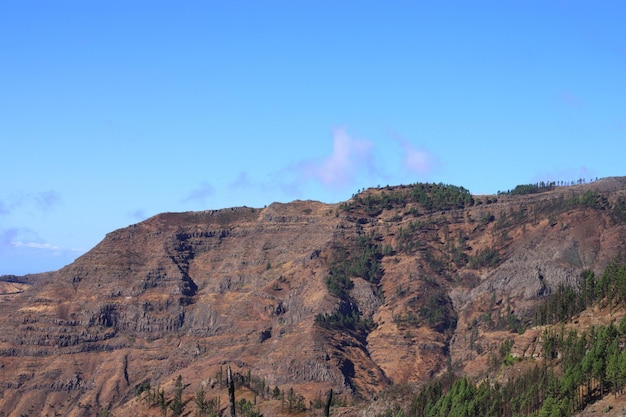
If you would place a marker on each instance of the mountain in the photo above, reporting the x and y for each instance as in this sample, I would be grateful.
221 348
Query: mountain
383 292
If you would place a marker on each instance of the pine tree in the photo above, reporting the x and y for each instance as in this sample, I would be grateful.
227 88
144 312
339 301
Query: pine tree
162 402
201 404
176 404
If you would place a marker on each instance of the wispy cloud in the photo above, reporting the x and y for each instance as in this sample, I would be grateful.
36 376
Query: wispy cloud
138 215
242 181
43 201
46 200
348 158
201 193
22 252
35 245
4 210
7 236
416 159
25 239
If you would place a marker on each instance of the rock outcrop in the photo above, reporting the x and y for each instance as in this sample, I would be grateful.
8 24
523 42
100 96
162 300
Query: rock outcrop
263 290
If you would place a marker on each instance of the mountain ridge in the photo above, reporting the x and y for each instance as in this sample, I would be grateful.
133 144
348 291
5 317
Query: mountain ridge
388 288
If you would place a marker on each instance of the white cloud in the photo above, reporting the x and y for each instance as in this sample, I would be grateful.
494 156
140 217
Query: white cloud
20 257
44 246
416 159
35 245
25 239
349 157
22 251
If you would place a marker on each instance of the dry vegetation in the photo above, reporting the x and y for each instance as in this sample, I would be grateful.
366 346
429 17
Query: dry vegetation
385 292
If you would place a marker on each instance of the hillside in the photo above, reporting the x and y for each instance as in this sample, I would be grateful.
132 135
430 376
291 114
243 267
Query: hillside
385 291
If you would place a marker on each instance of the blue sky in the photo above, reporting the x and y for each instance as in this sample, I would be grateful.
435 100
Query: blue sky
114 111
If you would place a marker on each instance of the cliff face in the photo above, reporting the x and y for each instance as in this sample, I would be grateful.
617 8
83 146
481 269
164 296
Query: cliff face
391 287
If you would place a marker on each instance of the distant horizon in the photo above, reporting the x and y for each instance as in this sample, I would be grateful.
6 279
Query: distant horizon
571 183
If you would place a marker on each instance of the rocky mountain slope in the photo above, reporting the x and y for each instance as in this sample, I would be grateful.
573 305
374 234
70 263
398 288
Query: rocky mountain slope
388 289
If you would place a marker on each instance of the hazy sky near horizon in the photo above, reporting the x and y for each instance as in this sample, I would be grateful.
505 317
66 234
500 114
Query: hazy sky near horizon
114 111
